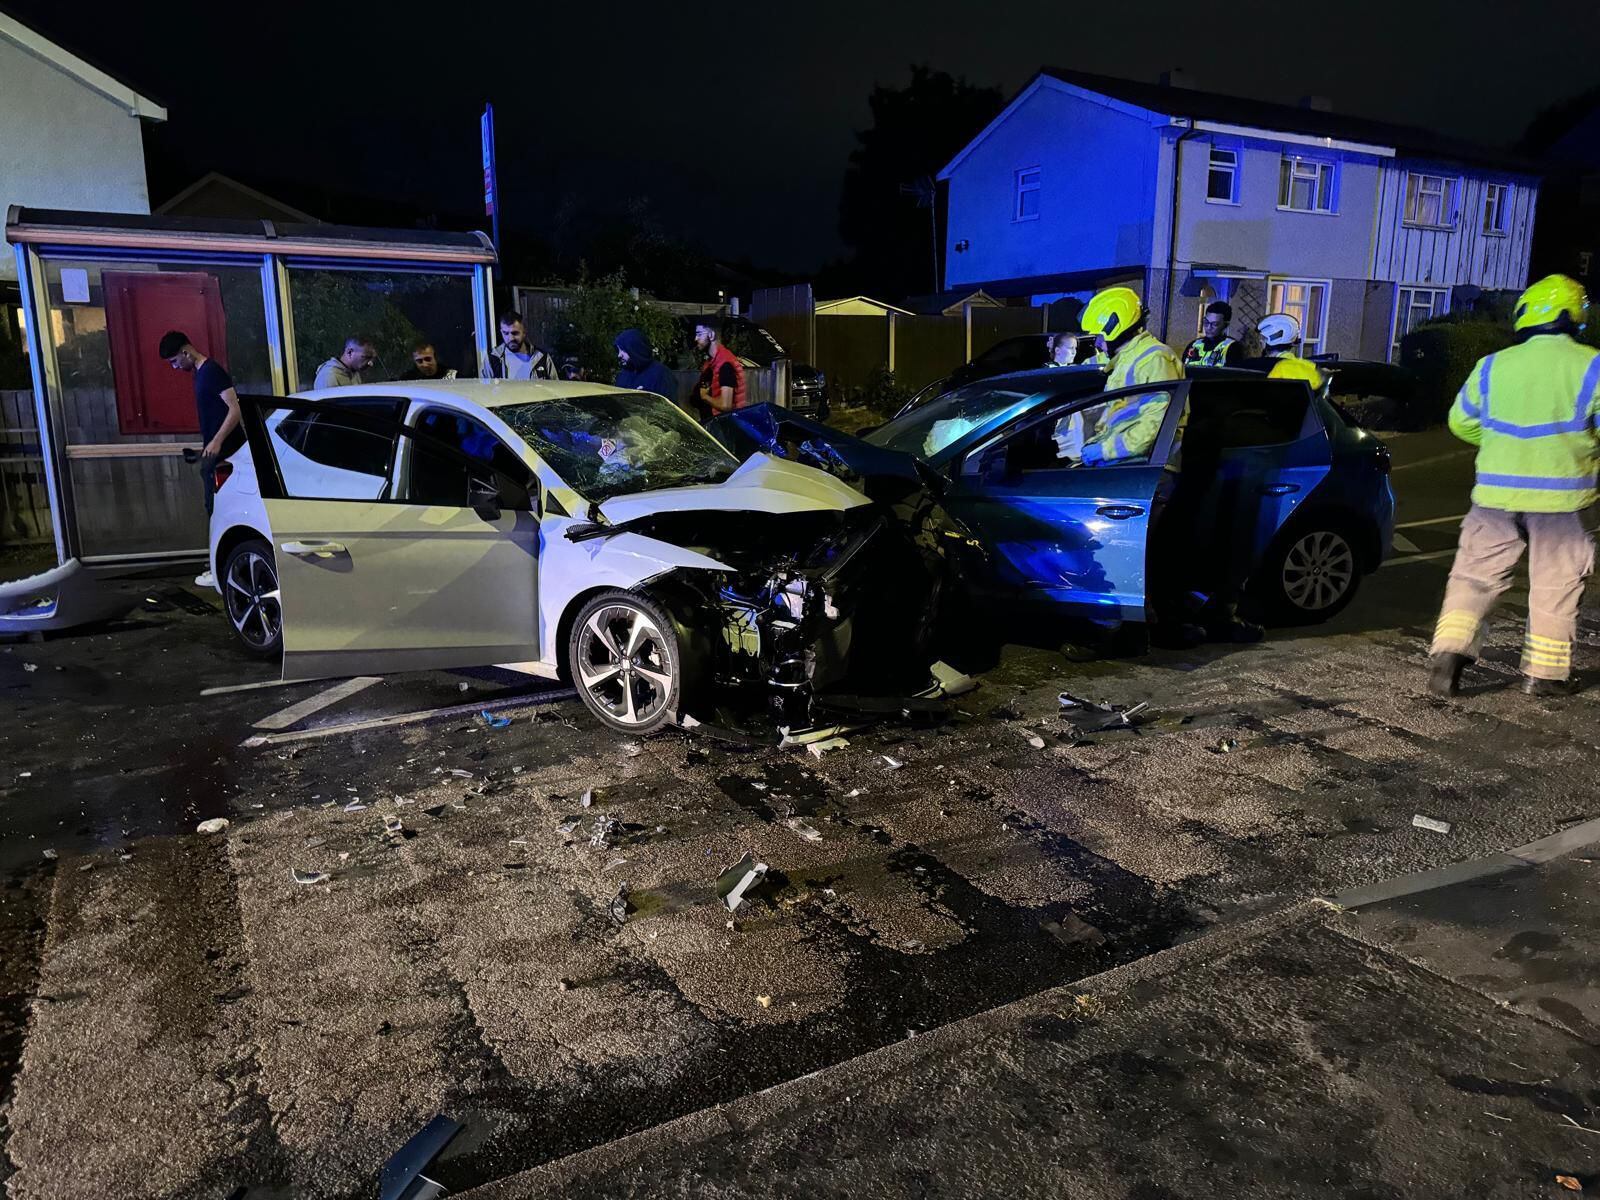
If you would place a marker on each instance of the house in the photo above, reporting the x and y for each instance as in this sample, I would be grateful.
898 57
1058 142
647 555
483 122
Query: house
857 306
218 195
70 134
1360 228
953 303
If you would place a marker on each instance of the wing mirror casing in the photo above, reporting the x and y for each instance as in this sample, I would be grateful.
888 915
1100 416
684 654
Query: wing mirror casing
484 497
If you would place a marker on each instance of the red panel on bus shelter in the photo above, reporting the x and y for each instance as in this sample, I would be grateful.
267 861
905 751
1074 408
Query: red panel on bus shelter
140 307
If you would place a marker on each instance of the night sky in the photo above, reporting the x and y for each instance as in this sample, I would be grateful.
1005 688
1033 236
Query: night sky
736 120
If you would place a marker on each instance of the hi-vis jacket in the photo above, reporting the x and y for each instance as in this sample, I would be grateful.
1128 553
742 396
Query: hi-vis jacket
1532 412
1128 427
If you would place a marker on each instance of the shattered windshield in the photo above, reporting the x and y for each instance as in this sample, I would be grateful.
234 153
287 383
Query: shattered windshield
611 443
930 429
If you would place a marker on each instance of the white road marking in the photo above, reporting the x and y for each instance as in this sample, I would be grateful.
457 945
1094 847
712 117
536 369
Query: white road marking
1428 462
286 717
410 718
1432 521
1417 558
251 687
1405 545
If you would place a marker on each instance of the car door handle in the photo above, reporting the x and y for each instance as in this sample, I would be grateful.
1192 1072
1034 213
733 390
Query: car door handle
314 549
1281 489
1120 512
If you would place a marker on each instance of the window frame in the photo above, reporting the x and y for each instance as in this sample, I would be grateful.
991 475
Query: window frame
1448 191
1232 170
1309 346
1022 189
1500 194
1402 290
1290 170
515 495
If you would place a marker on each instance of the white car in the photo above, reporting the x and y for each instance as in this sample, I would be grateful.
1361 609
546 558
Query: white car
577 530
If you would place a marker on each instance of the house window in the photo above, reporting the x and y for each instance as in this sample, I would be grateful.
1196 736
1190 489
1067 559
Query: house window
1222 180
1027 206
1307 301
1306 185
1431 201
1496 201
1416 306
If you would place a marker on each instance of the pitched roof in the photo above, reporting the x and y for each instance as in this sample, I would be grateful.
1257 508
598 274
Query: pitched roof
34 43
1214 107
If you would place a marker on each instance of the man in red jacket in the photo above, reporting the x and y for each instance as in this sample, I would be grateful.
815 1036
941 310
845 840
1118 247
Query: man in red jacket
722 377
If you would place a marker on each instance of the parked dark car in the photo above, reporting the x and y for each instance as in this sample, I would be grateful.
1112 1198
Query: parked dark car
1026 352
1379 395
1276 489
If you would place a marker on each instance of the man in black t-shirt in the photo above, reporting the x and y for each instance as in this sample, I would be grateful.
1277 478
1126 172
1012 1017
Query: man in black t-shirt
216 406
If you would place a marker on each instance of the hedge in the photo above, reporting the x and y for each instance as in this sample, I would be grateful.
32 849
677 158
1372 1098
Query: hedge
1441 354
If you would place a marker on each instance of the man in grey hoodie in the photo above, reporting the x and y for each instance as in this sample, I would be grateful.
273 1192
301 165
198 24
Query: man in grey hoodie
638 368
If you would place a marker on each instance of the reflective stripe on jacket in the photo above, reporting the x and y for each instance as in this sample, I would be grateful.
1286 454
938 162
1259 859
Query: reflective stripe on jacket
1128 427
1531 411
1196 354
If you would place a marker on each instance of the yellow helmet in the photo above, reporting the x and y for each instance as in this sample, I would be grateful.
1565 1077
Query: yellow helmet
1553 297
1291 367
1112 312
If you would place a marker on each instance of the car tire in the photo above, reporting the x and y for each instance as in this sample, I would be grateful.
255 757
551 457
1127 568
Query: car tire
250 598
627 660
1311 573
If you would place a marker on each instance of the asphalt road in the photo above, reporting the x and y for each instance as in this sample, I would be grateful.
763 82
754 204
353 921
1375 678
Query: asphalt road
180 1017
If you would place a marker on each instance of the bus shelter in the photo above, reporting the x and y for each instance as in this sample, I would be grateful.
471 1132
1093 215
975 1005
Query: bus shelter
268 300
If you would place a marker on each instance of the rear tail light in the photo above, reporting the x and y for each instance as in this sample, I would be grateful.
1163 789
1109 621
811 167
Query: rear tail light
221 474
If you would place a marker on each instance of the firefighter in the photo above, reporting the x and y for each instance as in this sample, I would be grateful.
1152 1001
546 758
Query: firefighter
1531 410
1214 348
1291 366
1127 427
1280 335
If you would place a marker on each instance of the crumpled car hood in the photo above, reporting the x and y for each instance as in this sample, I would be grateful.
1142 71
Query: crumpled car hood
762 484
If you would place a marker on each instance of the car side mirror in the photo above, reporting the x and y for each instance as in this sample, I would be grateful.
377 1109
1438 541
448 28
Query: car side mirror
993 468
483 496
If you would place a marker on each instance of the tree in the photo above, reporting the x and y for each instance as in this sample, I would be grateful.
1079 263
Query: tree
596 312
890 211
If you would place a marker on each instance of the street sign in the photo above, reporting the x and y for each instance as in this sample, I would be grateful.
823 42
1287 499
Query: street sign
491 183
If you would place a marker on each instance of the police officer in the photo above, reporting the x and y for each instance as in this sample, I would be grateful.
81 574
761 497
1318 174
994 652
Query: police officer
1214 348
1532 411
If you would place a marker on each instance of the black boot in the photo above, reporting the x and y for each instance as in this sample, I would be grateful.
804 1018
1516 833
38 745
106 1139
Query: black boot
1546 687
1444 673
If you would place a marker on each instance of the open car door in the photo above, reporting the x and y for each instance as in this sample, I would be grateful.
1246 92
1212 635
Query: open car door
1064 496
374 579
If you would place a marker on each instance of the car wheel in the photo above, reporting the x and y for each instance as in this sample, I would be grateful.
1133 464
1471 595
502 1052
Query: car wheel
1312 574
250 597
626 661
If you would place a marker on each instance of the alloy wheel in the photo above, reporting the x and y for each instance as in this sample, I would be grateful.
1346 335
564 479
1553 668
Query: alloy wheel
255 606
1318 570
624 663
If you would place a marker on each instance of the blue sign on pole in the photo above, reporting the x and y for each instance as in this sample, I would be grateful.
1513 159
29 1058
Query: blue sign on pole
491 182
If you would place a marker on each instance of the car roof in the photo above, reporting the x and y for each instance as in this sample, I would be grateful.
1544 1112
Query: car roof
488 393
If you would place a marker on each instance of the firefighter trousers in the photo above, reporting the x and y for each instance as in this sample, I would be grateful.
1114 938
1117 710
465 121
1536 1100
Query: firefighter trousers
1560 560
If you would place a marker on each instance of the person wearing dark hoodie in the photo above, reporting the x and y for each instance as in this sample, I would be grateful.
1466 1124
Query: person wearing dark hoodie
638 368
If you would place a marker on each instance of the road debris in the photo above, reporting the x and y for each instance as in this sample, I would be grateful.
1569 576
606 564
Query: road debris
1226 746
737 880
51 856
764 1001
402 1177
1072 930
807 737
818 749
568 828
300 876
604 829
1431 823
1070 702
214 825
804 828
460 774
393 827
1568 1182
951 682
618 906
632 749
894 763
492 720
1034 740
588 798
30 668
355 806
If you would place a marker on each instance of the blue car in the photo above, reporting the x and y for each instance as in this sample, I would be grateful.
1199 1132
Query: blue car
1085 501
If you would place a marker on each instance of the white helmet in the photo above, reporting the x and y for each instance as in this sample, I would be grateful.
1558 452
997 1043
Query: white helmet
1280 331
